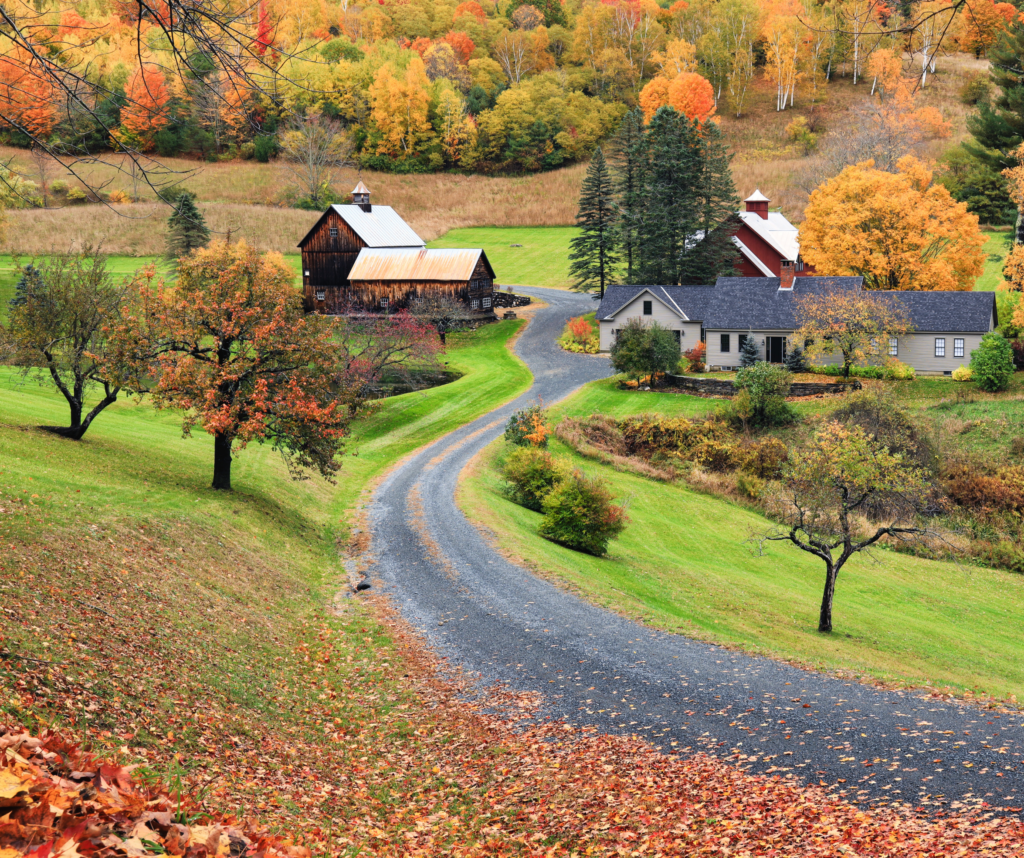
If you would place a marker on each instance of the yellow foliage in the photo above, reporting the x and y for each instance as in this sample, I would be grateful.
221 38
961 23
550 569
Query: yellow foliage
897 230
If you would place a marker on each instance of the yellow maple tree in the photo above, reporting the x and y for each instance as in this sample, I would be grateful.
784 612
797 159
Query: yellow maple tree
896 230
400 108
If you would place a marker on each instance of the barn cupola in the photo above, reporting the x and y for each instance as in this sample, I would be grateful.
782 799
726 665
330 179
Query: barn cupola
758 204
361 197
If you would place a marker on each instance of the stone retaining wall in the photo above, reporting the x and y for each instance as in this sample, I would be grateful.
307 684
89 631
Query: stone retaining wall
725 387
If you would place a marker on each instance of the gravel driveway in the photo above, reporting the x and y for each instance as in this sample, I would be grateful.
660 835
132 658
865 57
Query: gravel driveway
497 621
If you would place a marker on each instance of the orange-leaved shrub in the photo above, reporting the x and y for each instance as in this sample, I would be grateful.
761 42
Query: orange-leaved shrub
528 427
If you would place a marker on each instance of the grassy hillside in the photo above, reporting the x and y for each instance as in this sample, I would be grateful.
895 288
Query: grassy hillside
156 617
521 256
685 564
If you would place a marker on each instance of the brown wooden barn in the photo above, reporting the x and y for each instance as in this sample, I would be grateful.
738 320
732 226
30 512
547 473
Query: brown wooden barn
347 236
389 278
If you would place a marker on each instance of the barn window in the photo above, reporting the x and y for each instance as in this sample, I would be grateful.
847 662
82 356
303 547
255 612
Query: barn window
321 294
334 232
487 302
958 347
475 304
384 303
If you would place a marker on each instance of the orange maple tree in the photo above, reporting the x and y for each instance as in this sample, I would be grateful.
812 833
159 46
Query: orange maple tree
688 92
26 95
896 230
230 347
145 112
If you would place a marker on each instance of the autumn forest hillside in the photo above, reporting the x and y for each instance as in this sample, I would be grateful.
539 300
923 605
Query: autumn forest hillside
415 88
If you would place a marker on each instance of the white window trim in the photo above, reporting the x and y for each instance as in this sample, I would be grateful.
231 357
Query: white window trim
940 347
894 346
958 346
321 294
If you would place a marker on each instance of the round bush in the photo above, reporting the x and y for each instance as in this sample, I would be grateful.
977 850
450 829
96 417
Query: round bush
962 373
530 474
992 363
579 513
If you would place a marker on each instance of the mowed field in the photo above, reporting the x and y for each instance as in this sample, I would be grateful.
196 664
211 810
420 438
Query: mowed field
687 564
521 256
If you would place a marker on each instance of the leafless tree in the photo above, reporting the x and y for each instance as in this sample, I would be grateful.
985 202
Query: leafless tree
444 313
44 168
314 148
514 55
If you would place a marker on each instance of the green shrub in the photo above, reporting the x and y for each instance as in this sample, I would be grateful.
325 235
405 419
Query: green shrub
59 187
714 454
77 195
642 350
764 459
579 513
976 88
896 370
750 486
530 474
992 363
796 361
528 427
1005 555
767 384
264 148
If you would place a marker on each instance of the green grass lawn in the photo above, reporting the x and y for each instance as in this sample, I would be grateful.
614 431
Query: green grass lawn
543 259
119 266
685 564
996 248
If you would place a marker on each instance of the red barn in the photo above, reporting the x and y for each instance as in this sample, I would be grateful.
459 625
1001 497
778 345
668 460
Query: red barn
769 244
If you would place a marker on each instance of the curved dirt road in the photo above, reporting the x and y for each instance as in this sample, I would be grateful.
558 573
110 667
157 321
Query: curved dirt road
497 621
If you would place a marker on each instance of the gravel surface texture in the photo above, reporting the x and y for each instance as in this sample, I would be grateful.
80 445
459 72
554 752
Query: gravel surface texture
499 623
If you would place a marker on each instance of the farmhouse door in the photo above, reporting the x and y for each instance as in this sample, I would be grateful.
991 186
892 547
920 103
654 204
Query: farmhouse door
775 349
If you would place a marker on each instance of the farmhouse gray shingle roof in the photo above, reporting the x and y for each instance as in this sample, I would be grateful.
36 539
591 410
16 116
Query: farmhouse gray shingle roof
740 303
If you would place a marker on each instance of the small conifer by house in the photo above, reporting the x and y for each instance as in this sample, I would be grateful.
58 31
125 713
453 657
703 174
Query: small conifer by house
748 352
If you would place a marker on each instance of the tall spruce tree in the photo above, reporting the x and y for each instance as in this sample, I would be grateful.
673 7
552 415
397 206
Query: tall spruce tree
593 255
31 280
629 168
669 198
714 215
999 128
186 228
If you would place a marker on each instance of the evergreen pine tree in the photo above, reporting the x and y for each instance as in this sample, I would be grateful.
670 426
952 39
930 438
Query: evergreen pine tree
593 256
31 279
669 198
629 167
999 128
748 351
714 213
795 360
187 229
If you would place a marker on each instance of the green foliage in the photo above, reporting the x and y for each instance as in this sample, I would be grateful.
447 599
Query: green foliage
31 281
265 147
767 385
896 370
962 373
765 458
707 443
998 128
978 184
749 354
593 256
799 132
186 228
641 350
530 474
795 359
975 88
579 513
992 362
677 184
528 427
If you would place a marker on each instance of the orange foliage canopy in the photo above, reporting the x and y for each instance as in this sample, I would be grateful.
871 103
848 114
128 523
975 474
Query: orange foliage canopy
689 93
26 95
897 230
462 45
981 22
146 110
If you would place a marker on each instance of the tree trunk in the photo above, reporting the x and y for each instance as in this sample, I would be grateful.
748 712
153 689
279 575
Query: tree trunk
222 462
825 617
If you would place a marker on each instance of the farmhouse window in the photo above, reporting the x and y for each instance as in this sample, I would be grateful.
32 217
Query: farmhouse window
648 308
958 347
725 343
940 347
487 302
334 232
679 337
384 303
475 304
894 346
321 294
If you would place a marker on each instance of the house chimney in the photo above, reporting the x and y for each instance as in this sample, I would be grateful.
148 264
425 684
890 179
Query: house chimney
361 197
788 275
758 203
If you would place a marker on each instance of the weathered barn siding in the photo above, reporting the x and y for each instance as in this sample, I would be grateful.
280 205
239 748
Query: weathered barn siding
327 260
